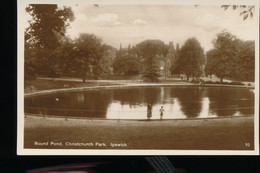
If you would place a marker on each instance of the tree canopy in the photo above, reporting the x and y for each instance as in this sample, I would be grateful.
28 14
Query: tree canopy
47 24
190 59
82 56
126 65
231 57
149 50
46 30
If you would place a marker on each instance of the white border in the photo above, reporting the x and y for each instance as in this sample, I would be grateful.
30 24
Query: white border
20 83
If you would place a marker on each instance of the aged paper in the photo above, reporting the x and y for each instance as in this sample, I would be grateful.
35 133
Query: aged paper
102 78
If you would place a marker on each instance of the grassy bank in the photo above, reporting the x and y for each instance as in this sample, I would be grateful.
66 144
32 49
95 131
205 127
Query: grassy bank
212 134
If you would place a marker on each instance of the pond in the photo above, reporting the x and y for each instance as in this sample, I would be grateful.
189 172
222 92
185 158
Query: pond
178 102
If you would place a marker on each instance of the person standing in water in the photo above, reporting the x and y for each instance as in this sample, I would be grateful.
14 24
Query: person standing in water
161 112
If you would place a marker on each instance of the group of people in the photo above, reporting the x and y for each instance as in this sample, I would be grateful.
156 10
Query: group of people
149 112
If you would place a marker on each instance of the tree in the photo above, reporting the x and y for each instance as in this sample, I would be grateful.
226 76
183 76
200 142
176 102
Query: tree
151 69
48 21
108 57
216 64
220 60
65 54
29 63
87 56
230 57
190 59
245 61
126 65
149 50
151 47
47 27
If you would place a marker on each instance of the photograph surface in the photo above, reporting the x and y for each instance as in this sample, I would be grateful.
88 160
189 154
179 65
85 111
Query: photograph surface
154 78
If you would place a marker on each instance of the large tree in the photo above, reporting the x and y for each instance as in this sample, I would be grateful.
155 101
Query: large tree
245 61
149 50
88 54
220 60
47 27
190 59
231 58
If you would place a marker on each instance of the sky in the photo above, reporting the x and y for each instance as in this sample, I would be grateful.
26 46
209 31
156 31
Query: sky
131 24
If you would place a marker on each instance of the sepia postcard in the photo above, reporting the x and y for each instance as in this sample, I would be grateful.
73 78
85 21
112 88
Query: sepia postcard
138 77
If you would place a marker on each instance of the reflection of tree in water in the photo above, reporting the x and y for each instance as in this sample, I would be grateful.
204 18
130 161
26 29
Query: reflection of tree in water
137 96
151 95
190 99
131 96
89 104
98 102
55 104
246 102
227 101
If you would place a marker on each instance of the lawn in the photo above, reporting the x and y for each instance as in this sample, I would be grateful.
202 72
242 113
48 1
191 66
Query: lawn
212 134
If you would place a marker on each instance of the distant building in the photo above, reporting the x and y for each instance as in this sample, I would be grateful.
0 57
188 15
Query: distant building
165 61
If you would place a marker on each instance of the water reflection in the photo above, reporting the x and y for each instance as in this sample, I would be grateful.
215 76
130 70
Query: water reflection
190 100
231 101
132 103
205 113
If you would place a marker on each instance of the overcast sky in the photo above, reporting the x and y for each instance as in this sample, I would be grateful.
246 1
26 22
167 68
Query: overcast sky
131 24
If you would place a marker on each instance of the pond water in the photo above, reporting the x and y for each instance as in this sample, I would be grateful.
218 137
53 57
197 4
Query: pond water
132 103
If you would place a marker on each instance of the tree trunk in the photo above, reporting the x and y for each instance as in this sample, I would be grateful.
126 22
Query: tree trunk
188 77
221 79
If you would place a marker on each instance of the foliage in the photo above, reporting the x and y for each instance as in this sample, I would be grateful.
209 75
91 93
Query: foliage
84 55
151 69
245 61
246 10
44 34
223 83
29 63
190 59
47 21
65 54
149 50
109 55
126 65
220 59
230 57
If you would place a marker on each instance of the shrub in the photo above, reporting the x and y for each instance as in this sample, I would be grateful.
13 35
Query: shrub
224 83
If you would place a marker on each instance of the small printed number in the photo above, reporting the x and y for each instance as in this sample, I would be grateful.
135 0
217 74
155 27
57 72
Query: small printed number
247 144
